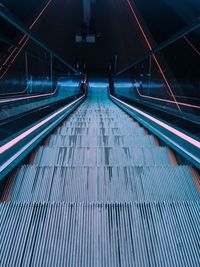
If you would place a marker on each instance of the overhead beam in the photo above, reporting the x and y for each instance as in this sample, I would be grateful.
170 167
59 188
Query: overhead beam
9 17
87 12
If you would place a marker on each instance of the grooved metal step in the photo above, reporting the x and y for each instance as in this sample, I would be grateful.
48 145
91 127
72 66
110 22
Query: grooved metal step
129 234
102 184
100 141
101 156
99 192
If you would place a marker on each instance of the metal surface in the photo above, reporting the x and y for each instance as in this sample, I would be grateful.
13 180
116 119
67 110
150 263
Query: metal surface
99 192
101 184
128 234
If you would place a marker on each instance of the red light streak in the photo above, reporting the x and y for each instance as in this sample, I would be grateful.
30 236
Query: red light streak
193 47
150 48
14 58
22 39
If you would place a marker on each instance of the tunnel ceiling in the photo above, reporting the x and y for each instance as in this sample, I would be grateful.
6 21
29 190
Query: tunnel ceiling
118 33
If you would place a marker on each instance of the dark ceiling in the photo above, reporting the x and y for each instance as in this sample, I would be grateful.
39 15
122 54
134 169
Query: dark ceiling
118 32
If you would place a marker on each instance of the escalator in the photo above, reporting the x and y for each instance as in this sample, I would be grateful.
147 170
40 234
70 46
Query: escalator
15 113
100 191
99 173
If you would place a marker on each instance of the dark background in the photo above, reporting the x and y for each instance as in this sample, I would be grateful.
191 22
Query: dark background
119 33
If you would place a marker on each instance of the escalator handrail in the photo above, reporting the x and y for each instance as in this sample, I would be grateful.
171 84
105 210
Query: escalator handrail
180 141
26 140
14 141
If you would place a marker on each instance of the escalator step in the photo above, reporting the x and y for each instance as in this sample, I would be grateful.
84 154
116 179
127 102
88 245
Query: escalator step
107 184
129 234
102 156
